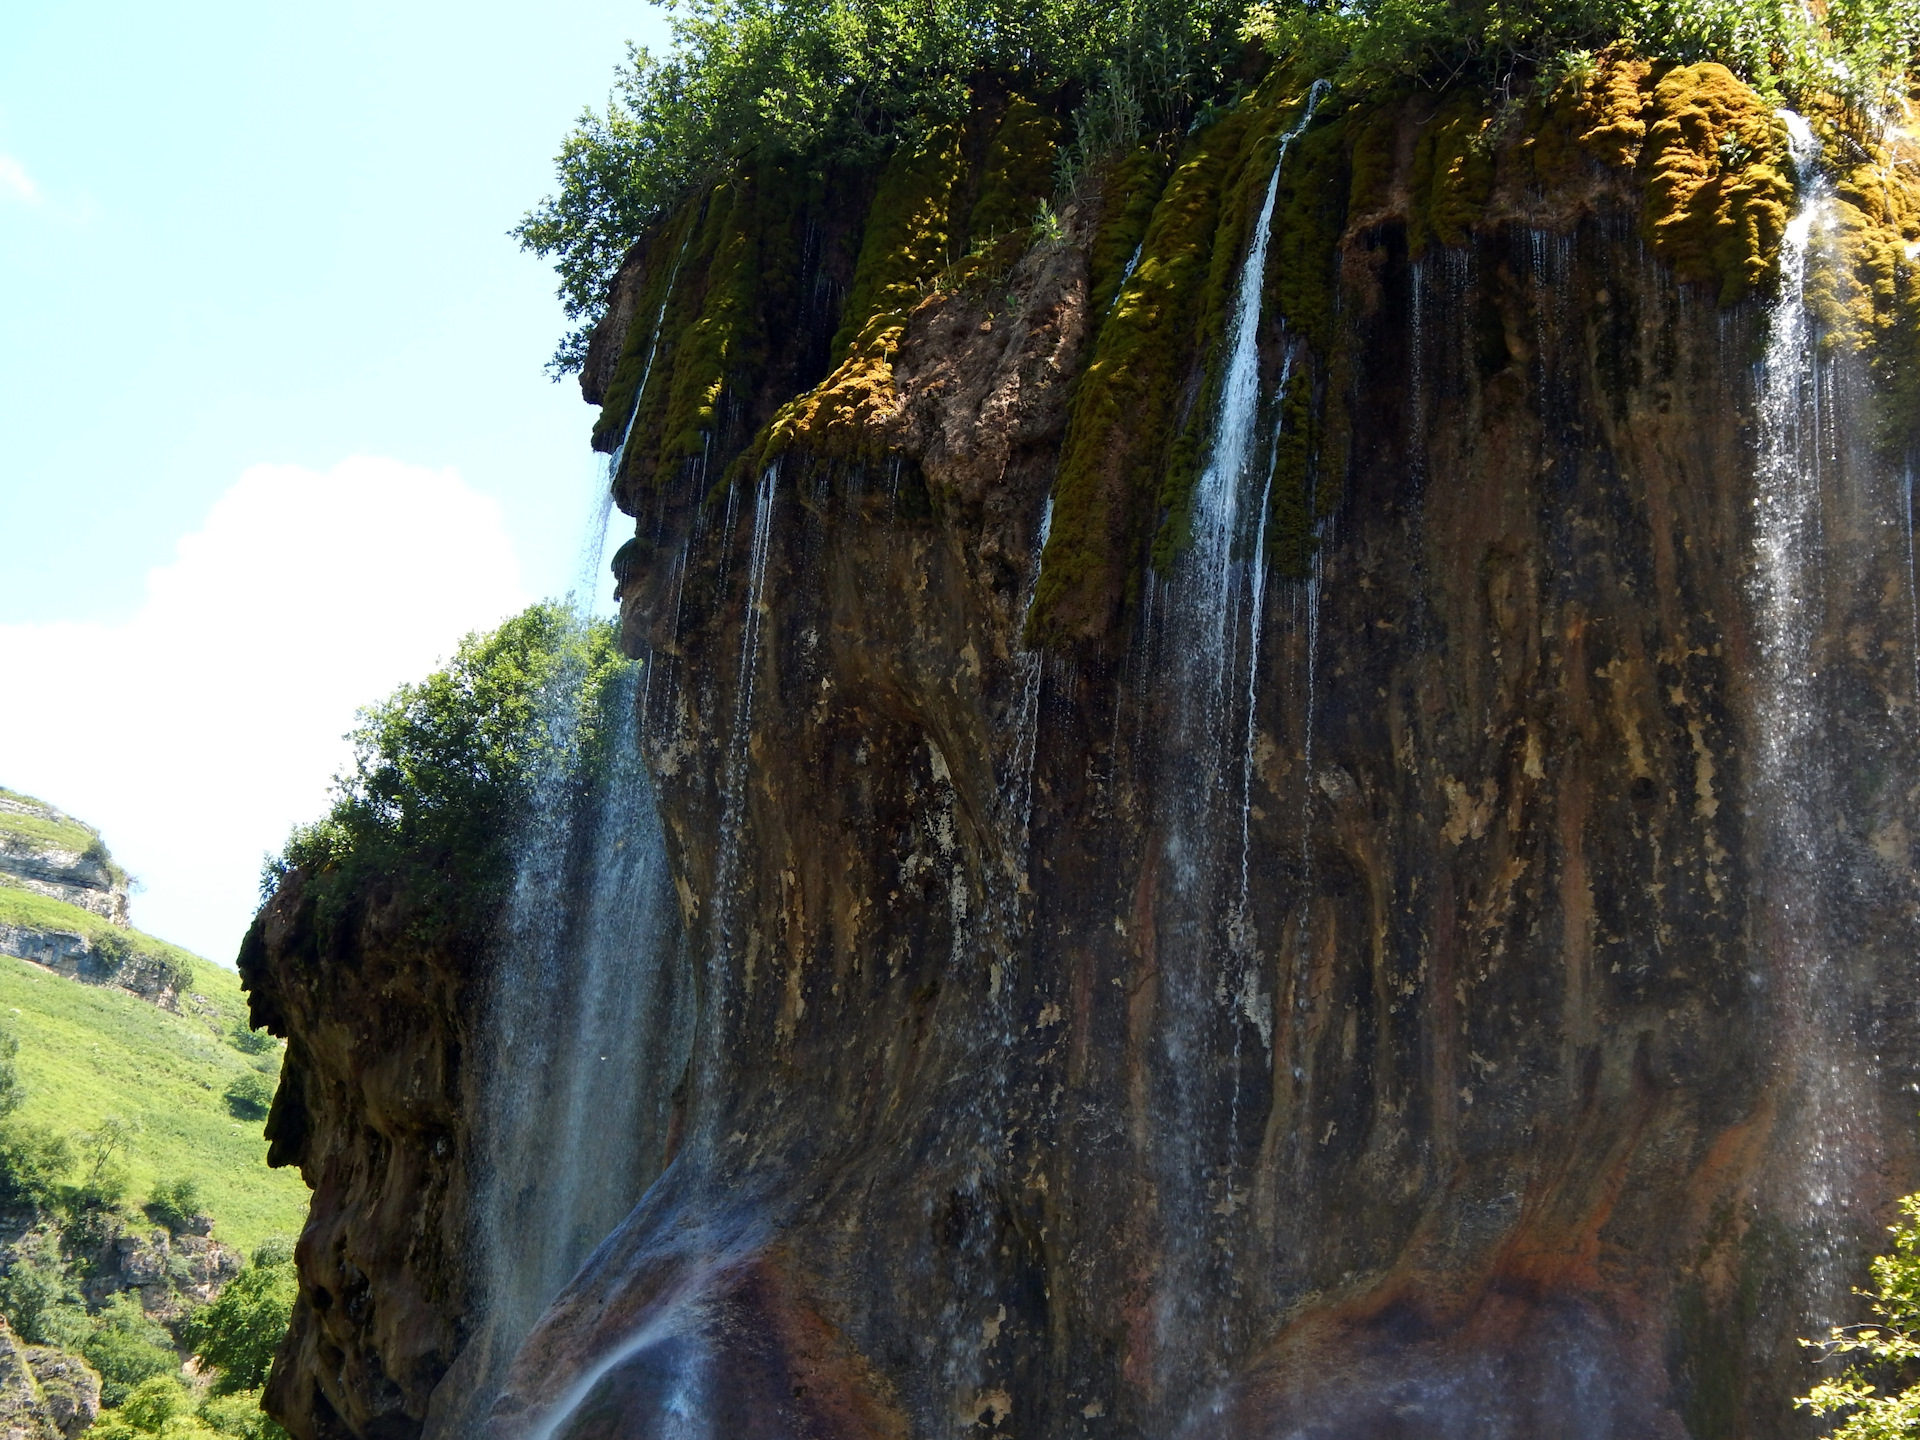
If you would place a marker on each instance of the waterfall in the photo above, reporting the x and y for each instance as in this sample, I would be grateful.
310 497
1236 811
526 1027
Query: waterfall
1029 677
583 1013
1209 612
1796 841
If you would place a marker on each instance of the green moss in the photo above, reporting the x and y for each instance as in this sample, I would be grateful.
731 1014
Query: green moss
1018 171
1125 402
1452 172
1293 509
1717 192
904 246
1375 141
1310 219
1268 113
704 223
663 255
1130 187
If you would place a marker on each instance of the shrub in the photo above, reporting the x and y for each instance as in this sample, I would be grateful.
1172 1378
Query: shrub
1889 1348
250 1095
443 770
38 1296
249 1041
174 1202
154 1402
127 1348
239 1415
33 1159
241 1330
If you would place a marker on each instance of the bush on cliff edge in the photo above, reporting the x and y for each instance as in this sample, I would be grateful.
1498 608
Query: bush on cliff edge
444 770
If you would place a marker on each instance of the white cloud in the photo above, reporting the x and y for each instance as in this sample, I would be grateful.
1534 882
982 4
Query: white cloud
16 183
196 734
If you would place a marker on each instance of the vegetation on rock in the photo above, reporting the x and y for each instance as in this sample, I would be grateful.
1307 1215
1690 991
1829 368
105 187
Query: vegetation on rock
1879 1392
443 770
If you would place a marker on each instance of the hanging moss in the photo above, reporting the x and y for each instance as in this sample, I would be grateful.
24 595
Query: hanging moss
904 247
1375 137
1717 193
1309 221
1130 187
1018 171
663 253
1292 512
1246 193
1452 172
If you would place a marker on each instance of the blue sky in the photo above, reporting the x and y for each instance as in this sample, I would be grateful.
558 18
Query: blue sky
262 333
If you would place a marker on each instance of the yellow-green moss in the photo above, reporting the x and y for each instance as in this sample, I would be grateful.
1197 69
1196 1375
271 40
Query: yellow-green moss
724 334
904 246
1452 172
662 256
1717 193
1117 460
1018 171
1130 188
1865 293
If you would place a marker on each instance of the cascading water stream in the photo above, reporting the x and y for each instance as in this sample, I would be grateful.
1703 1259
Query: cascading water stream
1210 618
1793 788
581 997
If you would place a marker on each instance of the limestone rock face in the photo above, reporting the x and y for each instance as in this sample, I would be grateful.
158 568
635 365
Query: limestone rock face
1428 953
45 1394
78 871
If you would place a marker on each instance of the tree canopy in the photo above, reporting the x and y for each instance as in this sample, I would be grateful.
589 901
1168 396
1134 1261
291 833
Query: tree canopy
842 79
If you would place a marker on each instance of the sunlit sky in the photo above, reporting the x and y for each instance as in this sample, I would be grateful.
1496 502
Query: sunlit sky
273 428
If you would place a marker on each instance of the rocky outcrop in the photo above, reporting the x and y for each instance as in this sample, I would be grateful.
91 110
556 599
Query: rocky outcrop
170 1273
99 960
45 1394
52 854
372 1108
1425 952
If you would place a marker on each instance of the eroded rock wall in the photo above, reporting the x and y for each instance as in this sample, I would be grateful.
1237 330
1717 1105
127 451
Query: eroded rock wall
1387 986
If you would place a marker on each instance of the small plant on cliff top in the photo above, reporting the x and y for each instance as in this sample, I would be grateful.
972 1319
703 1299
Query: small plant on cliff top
443 770
1888 1349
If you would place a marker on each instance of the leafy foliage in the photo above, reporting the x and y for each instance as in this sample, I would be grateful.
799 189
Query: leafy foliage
839 81
240 1331
1888 1351
127 1348
250 1095
843 80
443 769
1857 50
174 1202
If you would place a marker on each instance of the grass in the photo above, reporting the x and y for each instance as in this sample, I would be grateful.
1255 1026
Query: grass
89 1051
55 834
39 912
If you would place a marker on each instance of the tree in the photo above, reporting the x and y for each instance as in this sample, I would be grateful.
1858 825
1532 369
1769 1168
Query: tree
239 1333
1889 1349
250 1096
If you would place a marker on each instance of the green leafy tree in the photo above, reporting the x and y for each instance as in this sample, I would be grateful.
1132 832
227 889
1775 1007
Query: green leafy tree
174 1202
127 1348
39 1297
239 1333
249 1041
250 1095
1879 1392
443 769
103 1174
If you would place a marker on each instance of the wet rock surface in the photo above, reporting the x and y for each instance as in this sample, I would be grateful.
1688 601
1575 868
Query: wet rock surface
1412 1005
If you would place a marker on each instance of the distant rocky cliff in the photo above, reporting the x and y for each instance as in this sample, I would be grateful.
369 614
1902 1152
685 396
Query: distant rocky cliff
85 932
1289 797
52 854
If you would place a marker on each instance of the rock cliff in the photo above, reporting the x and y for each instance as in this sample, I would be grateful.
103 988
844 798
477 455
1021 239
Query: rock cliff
1289 800
52 854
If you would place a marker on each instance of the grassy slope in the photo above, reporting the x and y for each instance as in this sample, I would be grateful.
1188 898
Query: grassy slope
87 1051
62 834
23 907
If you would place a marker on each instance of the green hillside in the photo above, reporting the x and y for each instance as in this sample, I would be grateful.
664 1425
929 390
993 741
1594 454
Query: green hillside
88 1052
